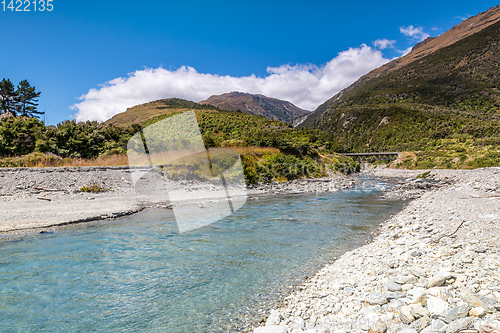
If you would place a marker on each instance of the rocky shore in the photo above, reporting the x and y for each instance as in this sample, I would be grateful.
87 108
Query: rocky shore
34 199
434 267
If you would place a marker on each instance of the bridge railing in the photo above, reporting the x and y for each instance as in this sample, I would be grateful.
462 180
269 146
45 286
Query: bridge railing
375 156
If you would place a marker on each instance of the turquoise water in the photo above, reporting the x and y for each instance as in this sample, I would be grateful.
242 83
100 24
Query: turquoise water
137 274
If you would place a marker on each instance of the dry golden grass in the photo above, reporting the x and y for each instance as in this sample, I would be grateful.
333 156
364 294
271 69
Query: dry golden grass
108 160
255 150
39 160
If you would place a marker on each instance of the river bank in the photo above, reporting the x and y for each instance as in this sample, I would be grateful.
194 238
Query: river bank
37 199
434 267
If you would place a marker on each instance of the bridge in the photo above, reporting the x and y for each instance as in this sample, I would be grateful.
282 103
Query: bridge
371 157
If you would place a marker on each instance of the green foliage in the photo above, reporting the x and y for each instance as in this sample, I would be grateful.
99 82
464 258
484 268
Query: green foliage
22 135
86 139
94 188
27 100
424 175
490 159
230 129
280 167
288 153
7 97
22 101
347 166
452 154
18 136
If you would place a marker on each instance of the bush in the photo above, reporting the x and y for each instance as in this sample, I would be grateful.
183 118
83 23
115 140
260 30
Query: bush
94 188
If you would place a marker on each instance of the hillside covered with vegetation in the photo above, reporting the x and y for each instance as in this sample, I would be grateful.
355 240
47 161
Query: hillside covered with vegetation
270 150
445 105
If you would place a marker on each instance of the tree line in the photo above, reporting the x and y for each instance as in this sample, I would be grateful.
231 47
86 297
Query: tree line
22 101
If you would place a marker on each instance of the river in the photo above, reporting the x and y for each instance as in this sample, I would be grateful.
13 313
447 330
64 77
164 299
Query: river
138 274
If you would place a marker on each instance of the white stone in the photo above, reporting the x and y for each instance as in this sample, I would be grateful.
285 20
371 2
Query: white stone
274 318
437 306
436 281
477 312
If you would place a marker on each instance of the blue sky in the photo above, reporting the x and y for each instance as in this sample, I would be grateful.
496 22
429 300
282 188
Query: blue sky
120 53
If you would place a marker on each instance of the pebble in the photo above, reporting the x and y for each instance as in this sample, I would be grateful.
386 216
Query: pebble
436 306
457 312
460 324
377 298
477 312
437 281
393 286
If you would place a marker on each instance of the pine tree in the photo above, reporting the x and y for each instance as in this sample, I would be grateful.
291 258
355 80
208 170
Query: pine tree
26 100
8 97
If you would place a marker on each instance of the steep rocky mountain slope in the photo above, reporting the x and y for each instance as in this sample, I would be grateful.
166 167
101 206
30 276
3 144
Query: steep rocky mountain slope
427 47
450 92
259 105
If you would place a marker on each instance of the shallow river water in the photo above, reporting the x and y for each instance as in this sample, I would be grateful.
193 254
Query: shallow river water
138 274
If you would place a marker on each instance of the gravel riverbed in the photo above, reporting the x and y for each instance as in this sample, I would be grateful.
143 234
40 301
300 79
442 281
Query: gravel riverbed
434 267
34 199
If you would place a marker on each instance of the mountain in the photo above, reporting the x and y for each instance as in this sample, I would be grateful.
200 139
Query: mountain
444 93
427 47
259 105
140 113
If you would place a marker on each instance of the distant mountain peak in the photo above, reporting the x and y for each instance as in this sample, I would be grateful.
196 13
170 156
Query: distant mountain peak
256 104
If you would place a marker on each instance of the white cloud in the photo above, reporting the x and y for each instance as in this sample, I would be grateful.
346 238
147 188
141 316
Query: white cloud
384 43
414 32
463 18
405 52
307 86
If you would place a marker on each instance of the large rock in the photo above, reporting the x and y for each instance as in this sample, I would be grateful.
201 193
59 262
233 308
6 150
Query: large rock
420 324
419 311
418 272
477 312
436 306
393 286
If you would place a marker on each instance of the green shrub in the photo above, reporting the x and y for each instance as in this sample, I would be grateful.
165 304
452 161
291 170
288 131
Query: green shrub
94 188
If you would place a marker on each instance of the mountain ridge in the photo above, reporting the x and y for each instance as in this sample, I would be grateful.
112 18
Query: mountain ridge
448 100
256 104
466 28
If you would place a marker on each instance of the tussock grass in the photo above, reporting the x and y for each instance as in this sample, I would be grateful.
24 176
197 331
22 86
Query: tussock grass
41 160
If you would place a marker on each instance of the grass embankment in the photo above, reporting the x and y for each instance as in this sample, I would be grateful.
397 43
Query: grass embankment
448 159
260 164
